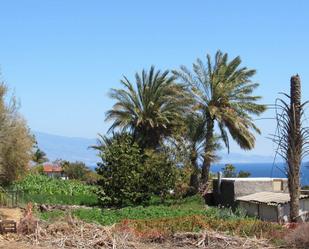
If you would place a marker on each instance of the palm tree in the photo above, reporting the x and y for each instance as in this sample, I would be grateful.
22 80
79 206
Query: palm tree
223 94
194 135
151 110
292 138
39 157
104 141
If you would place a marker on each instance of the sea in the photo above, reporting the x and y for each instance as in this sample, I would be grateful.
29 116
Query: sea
265 170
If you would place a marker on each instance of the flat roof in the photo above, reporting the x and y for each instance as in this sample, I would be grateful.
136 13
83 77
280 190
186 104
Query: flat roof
254 179
269 198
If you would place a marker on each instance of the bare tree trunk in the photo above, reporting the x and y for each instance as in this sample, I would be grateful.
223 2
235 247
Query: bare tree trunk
194 182
295 147
208 153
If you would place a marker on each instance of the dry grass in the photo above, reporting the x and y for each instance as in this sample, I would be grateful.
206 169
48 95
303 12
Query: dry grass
299 237
68 232
71 233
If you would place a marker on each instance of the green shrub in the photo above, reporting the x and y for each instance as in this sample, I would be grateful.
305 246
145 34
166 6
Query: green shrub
130 176
159 173
75 170
121 169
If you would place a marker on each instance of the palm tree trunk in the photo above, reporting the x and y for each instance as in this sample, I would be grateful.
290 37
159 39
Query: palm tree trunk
295 148
194 183
208 151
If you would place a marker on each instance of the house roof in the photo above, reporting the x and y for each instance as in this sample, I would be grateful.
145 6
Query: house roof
253 179
268 198
50 168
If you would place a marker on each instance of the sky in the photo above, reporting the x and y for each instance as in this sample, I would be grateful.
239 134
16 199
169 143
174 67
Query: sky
60 58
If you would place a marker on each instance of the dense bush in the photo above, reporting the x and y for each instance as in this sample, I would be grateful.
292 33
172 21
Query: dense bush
159 173
121 169
131 177
77 171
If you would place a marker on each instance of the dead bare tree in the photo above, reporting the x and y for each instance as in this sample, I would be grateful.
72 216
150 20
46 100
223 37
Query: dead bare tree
292 139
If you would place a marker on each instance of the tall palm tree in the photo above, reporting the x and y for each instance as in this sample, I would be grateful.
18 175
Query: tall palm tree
292 138
151 110
223 94
195 134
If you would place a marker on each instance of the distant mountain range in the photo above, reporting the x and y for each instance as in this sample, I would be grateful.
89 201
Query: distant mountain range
77 149
67 148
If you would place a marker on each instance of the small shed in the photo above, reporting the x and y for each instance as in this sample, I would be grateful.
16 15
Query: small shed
272 206
226 190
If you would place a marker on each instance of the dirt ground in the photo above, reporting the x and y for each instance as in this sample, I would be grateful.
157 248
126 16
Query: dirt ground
19 245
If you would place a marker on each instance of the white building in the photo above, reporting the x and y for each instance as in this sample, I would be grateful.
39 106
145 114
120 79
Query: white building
272 206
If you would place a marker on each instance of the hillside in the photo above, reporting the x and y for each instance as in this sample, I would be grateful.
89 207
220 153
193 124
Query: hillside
67 148
77 149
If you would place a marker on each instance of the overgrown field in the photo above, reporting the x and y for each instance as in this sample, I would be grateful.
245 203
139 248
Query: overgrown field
42 189
187 215
157 219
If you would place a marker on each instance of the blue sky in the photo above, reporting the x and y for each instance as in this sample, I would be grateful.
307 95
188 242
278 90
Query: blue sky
62 57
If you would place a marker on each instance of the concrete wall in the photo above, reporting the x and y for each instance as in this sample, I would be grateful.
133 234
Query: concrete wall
243 188
252 209
304 204
231 189
278 213
260 210
268 213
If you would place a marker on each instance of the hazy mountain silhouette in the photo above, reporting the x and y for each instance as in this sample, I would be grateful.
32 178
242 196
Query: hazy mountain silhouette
67 148
77 149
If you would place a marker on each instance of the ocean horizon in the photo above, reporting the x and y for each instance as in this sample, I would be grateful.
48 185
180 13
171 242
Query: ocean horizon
264 170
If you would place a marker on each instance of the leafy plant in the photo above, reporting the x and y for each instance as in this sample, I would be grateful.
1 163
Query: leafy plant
75 170
121 170
43 189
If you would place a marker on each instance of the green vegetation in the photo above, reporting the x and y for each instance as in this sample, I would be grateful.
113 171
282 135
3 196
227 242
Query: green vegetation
39 157
223 95
42 189
187 215
79 171
229 171
152 109
194 135
129 176
189 206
